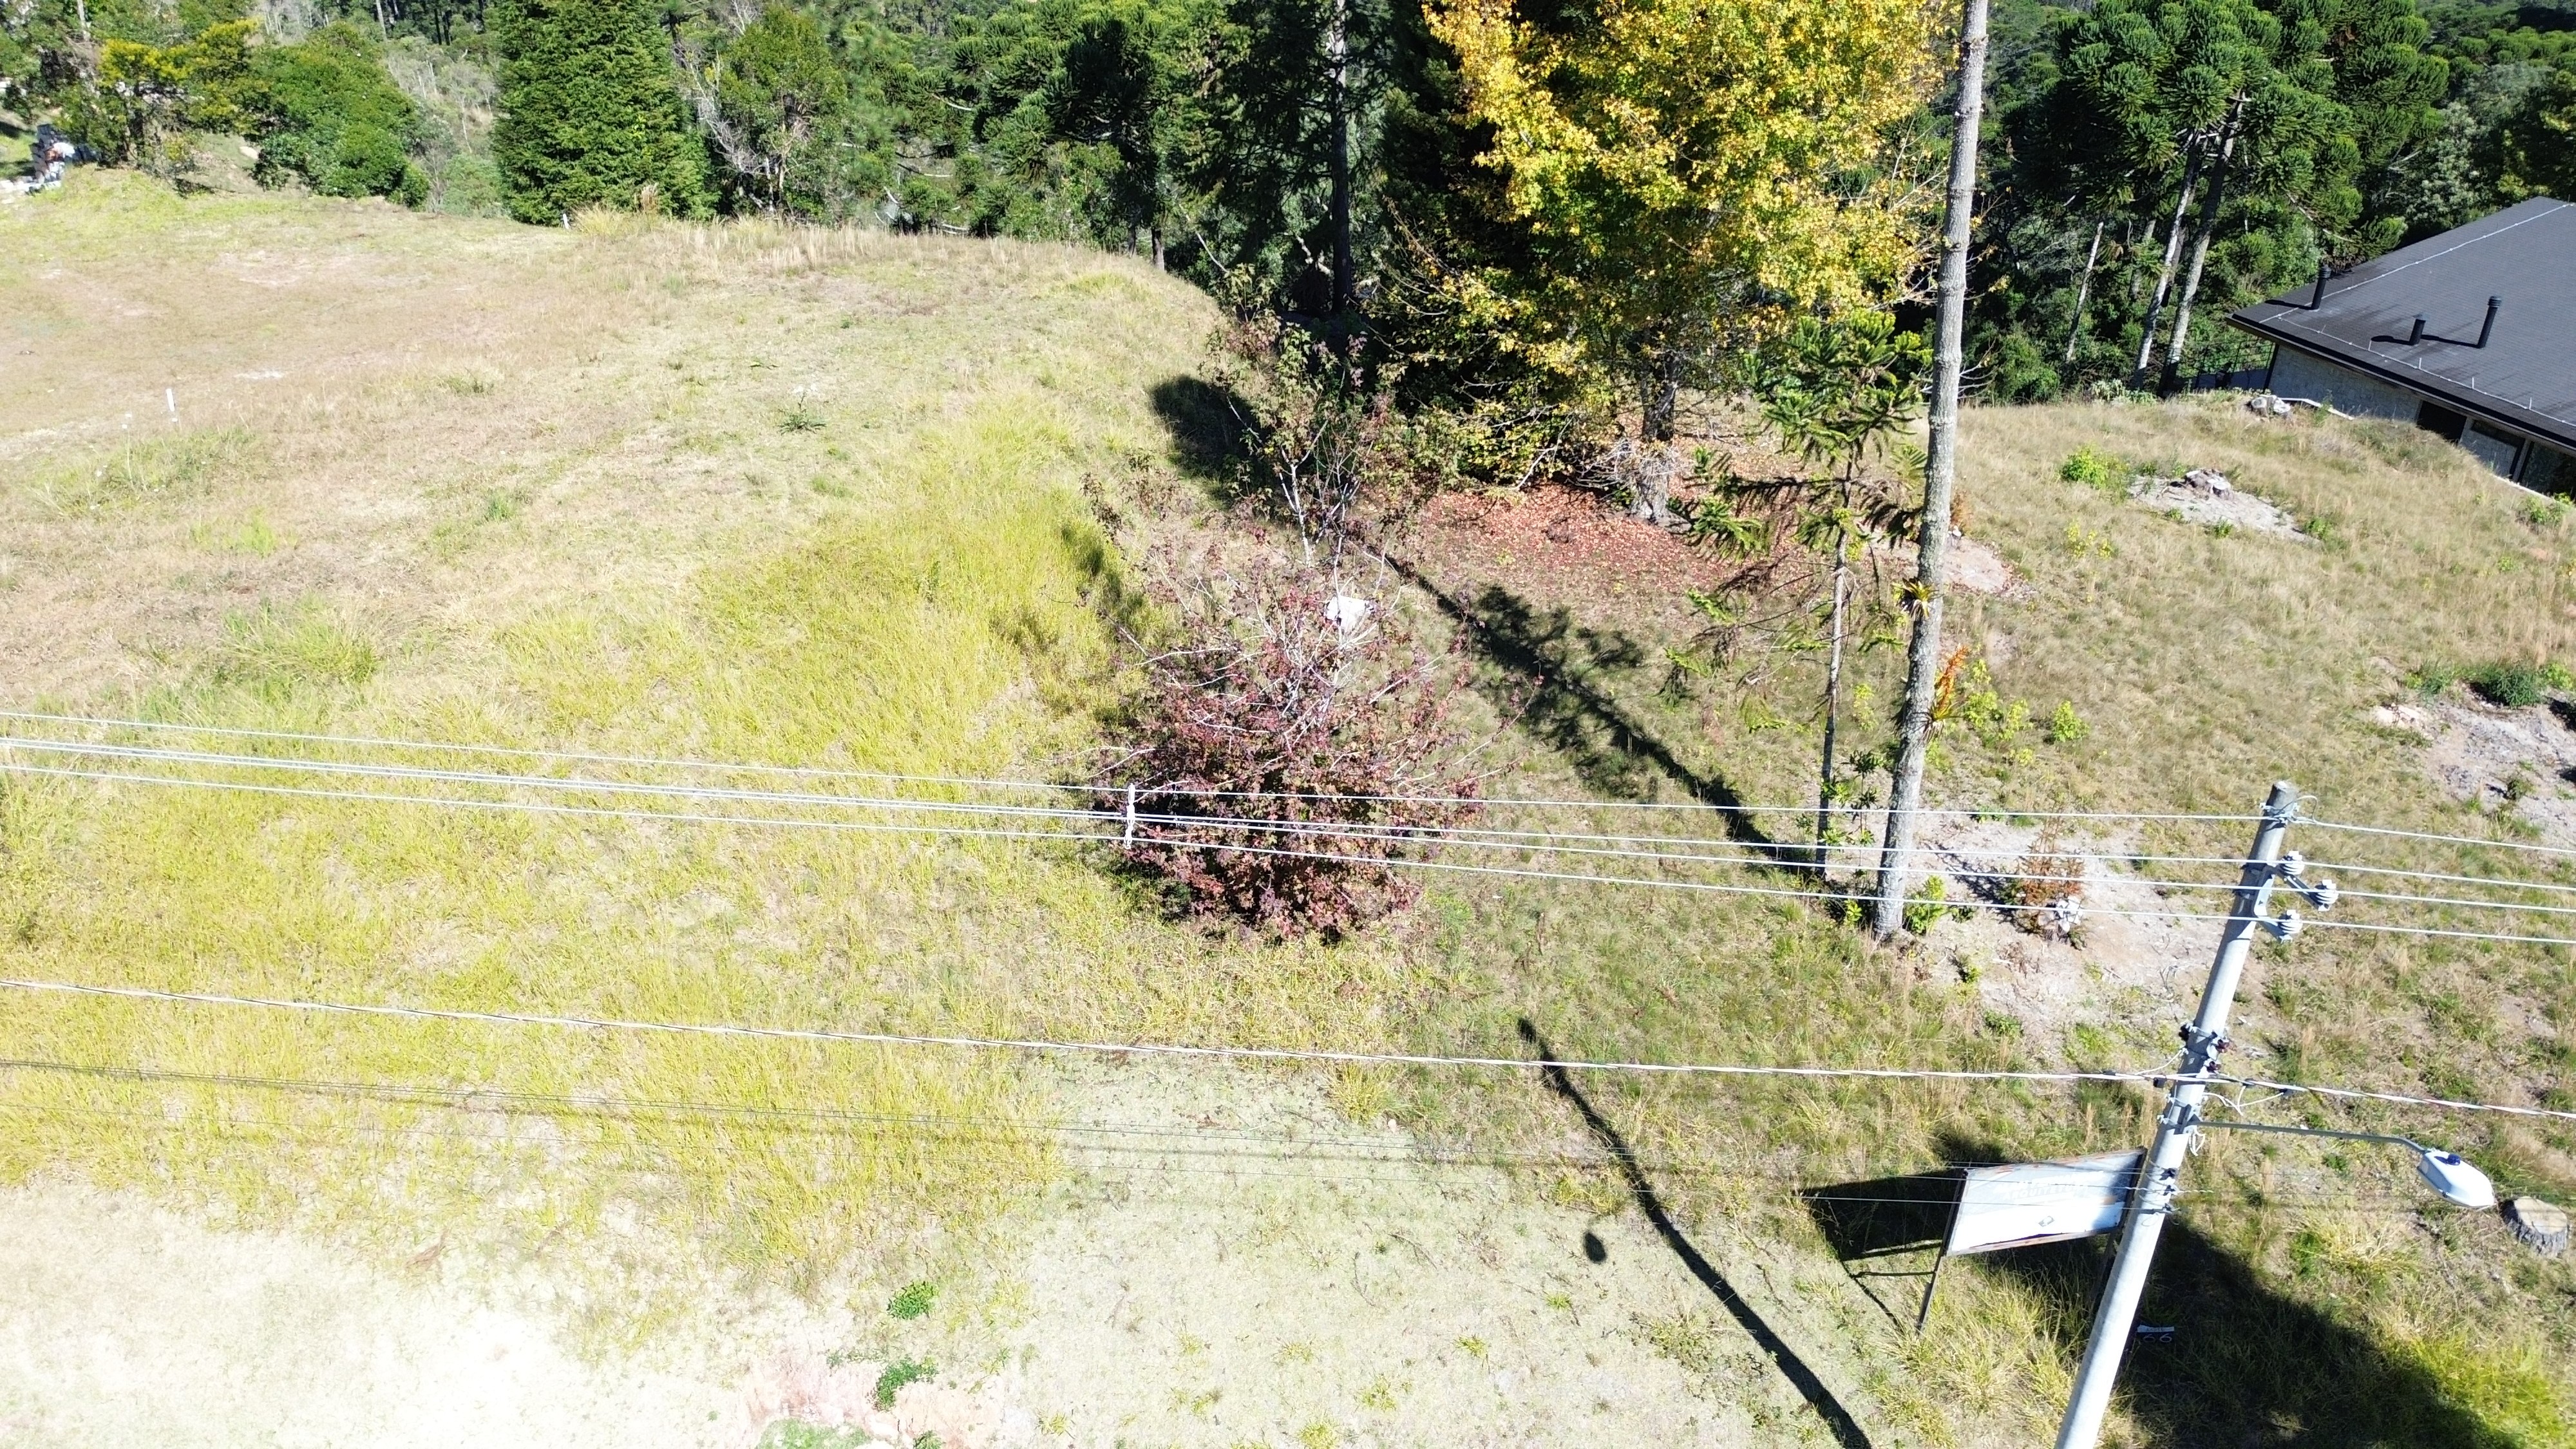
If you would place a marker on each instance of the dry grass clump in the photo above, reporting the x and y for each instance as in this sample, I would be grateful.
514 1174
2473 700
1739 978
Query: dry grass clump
2047 887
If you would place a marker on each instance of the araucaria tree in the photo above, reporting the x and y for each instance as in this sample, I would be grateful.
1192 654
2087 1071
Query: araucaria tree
1690 176
589 112
1836 394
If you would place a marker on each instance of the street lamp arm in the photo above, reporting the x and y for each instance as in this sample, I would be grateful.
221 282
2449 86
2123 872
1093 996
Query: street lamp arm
2445 1172
2406 1142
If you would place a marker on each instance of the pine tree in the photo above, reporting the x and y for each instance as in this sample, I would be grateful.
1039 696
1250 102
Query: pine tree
589 112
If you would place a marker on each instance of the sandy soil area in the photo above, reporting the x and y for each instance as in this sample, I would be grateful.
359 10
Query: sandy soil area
126 1324
1234 1263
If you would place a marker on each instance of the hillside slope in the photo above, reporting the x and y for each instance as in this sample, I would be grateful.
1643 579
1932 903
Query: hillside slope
818 499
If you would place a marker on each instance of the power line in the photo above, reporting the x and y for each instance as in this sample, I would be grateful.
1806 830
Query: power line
2348 868
2523 845
1052 785
1471 837
1040 1045
1266 1054
1161 1162
1161 1144
1158 1141
1076 837
1312 831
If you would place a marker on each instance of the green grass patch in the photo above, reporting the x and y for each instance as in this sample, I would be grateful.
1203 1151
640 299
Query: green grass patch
902 1371
146 467
2517 686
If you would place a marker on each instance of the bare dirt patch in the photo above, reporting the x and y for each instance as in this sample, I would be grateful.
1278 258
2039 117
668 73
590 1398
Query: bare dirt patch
2212 500
1286 1276
2133 959
2517 760
125 1324
1566 537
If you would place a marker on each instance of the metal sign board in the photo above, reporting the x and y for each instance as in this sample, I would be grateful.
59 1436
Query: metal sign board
2023 1203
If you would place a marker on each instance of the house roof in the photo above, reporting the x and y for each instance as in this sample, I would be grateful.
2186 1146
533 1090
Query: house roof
2524 378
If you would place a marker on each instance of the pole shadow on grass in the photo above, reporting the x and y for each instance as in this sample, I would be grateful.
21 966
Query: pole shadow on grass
2246 1366
1606 744
1838 1420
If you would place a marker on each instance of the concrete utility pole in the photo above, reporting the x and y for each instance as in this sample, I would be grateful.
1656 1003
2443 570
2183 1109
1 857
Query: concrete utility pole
1940 465
2152 1198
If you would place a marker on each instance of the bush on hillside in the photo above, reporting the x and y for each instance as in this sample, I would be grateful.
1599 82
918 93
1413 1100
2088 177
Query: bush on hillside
328 115
590 115
2517 686
1280 755
323 110
2091 467
781 118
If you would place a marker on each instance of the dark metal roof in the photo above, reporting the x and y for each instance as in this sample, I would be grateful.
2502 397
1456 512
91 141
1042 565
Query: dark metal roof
2524 378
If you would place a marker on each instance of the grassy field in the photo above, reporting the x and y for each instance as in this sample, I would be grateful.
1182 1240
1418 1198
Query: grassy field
818 498
2202 665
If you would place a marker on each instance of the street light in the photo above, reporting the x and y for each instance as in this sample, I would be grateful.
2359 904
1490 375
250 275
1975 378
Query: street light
2446 1172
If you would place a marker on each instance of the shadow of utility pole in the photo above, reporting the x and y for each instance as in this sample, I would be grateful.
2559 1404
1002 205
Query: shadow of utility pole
1846 1430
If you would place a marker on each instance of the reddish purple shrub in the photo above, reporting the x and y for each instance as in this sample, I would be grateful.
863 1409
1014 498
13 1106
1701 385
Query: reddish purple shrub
1281 761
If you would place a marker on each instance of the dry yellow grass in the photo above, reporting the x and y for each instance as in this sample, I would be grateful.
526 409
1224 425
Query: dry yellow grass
2201 666
442 478
445 479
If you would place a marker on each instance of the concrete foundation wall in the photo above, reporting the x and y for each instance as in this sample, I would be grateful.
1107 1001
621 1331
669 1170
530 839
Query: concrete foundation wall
2296 374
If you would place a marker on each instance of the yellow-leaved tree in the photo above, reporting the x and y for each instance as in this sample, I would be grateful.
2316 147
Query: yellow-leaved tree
1687 176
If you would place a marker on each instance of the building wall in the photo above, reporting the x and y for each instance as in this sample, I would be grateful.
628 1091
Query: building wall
2297 374
2525 460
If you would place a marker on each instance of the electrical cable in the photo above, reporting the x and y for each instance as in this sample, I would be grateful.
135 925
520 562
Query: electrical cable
1040 1045
981 1130
824 772
898 828
1264 1054
1472 835
2523 845
2347 868
693 817
2394 1099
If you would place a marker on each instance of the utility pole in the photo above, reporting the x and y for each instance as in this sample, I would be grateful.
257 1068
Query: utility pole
2152 1198
1940 466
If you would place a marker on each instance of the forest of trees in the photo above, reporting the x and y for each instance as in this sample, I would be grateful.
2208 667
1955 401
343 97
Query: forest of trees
1540 208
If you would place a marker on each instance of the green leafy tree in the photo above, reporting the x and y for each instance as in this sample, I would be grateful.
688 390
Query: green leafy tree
1688 178
2534 149
779 106
325 113
1122 89
2158 149
589 112
1295 115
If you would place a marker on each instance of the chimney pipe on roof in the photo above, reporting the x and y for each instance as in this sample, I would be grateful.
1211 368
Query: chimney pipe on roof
2494 304
2415 335
2317 298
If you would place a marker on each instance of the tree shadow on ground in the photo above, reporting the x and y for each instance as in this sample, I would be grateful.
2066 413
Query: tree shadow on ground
2247 1367
1837 1419
1207 442
1548 655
